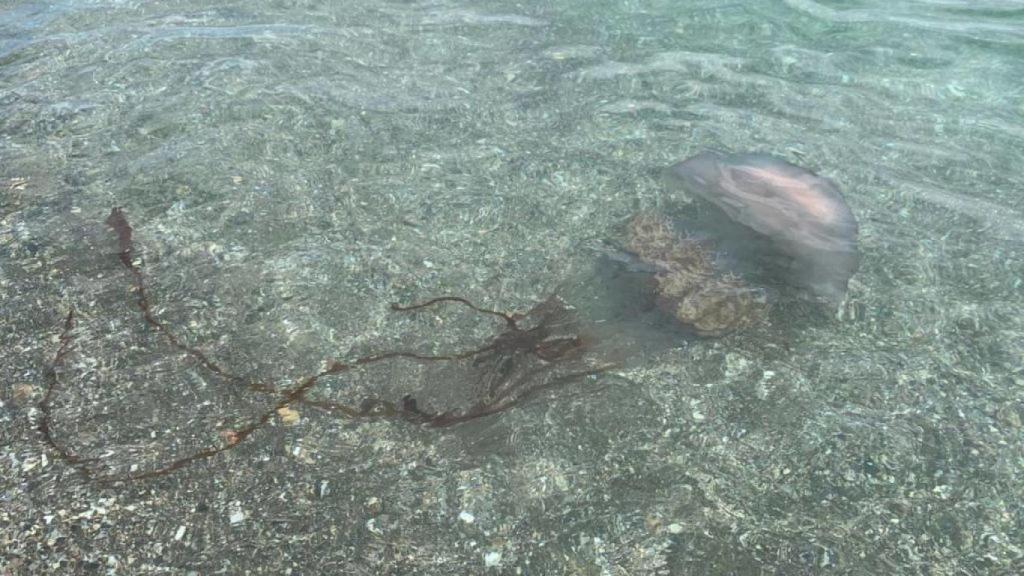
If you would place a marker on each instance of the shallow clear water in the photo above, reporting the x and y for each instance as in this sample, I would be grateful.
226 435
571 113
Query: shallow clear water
292 168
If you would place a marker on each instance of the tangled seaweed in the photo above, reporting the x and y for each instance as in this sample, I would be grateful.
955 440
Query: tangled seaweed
536 351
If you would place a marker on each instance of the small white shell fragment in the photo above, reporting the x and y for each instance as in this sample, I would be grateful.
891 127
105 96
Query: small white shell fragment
237 516
467 517
492 558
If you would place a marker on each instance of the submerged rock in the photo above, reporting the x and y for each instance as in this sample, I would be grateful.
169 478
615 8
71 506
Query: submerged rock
686 283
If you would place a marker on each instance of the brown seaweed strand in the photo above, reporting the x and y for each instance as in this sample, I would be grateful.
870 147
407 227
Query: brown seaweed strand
481 410
117 221
508 318
504 395
407 409
45 426
374 408
295 395
238 436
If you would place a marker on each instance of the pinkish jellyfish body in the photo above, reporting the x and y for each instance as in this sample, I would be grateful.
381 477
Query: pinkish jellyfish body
803 214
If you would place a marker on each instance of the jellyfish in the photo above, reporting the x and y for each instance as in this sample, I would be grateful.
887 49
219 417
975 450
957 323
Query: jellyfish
801 215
